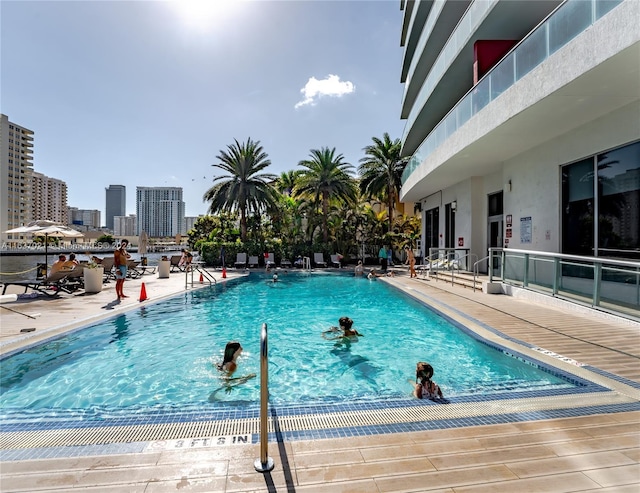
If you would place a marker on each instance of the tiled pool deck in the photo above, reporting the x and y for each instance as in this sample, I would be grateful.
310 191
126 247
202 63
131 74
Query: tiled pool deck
580 440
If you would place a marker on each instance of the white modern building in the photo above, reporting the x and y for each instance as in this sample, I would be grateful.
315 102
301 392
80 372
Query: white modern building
125 225
523 124
16 168
49 199
160 211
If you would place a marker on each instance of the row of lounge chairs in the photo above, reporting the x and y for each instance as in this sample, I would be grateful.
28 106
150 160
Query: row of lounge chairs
242 261
68 281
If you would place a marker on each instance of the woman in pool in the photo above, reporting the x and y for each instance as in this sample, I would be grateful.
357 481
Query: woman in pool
426 388
231 353
344 330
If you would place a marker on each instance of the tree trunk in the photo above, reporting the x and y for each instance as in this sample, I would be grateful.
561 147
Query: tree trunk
325 212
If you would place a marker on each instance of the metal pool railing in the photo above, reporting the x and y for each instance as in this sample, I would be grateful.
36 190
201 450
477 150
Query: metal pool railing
608 284
264 463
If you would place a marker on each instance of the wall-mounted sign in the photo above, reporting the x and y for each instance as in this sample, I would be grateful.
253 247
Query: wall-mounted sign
460 241
509 233
525 229
509 220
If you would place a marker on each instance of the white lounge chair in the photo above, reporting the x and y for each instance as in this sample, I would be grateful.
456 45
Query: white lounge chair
318 259
253 261
285 263
335 260
241 260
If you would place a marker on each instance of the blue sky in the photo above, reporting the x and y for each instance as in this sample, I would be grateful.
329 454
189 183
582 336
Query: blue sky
146 93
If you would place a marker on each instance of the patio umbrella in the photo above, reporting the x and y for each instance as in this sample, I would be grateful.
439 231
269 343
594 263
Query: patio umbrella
143 244
46 229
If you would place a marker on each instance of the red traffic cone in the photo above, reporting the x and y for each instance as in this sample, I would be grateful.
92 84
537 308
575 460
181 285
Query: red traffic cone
224 273
143 293
201 278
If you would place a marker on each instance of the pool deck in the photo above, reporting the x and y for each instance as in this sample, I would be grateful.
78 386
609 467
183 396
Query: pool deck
590 452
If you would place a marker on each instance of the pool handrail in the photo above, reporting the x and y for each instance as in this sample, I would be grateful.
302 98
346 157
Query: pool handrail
264 463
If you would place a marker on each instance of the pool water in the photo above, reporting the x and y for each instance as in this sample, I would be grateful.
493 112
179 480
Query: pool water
163 356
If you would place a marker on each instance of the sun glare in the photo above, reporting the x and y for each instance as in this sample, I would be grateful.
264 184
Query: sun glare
202 14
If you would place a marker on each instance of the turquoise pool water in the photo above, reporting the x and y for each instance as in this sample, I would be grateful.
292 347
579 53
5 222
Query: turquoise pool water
163 356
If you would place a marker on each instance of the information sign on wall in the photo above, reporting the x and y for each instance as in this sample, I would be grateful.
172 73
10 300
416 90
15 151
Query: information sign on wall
525 229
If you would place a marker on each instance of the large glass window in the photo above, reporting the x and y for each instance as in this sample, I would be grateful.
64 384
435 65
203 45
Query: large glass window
616 233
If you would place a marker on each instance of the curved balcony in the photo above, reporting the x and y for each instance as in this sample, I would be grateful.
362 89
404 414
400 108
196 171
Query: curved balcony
564 24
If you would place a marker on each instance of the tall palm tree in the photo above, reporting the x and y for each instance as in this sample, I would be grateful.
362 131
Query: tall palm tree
326 175
243 188
286 182
381 171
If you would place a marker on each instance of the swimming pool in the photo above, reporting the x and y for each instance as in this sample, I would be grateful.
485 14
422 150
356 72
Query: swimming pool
162 357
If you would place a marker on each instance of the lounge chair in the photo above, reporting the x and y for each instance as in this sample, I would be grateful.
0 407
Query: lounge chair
253 261
318 259
335 260
132 269
107 264
285 263
175 263
241 260
51 285
270 261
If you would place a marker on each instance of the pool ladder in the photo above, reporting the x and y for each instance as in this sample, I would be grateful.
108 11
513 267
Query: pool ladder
264 463
204 274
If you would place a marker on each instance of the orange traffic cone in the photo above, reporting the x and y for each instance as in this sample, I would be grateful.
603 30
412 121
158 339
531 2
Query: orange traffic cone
143 293
224 273
201 278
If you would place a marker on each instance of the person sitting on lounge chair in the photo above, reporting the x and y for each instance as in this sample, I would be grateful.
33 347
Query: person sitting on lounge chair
71 263
58 264
185 259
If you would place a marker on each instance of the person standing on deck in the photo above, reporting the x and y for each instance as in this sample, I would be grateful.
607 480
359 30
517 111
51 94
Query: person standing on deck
120 257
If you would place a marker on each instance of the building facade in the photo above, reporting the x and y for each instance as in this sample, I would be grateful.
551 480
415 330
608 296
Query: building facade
523 124
125 225
84 219
116 203
49 199
160 211
16 168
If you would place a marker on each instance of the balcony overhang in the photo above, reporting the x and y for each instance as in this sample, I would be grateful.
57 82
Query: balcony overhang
514 123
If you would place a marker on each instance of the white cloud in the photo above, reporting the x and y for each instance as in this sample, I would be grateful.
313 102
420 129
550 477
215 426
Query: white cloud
330 86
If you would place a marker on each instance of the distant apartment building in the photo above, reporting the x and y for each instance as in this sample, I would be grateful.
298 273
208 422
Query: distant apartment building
160 211
16 167
125 225
189 222
85 218
116 203
49 198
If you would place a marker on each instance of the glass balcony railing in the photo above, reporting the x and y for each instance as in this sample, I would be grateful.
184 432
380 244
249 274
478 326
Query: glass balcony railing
564 24
606 284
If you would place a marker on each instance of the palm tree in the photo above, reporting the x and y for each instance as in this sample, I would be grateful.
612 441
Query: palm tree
326 175
243 189
286 182
381 171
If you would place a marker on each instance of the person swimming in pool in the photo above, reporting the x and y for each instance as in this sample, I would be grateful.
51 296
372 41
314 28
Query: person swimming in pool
344 330
231 353
229 364
425 388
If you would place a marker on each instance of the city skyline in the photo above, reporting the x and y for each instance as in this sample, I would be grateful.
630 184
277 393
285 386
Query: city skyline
153 105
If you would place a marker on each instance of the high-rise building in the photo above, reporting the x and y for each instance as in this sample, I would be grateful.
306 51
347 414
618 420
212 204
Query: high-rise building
125 225
189 222
49 199
16 167
160 211
522 124
87 218
116 203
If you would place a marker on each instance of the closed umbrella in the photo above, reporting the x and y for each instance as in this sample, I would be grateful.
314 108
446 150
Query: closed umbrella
143 244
